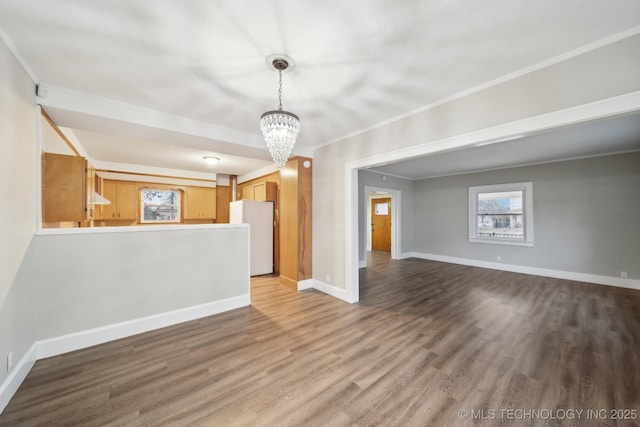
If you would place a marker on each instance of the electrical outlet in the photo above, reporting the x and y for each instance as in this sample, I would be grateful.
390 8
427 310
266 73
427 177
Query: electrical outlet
499 258
9 361
328 278
623 274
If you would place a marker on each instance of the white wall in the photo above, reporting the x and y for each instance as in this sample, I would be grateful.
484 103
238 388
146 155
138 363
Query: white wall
103 277
17 166
586 216
18 159
596 75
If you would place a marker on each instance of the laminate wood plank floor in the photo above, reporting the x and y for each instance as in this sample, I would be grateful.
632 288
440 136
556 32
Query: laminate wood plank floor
429 344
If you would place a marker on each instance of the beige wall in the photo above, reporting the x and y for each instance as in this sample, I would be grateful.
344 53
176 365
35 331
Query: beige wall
606 72
17 166
18 160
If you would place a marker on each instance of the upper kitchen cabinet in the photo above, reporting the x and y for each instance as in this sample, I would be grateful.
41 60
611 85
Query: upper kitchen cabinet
124 200
200 203
64 188
263 192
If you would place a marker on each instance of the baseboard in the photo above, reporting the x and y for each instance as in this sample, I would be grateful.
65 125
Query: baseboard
305 284
11 384
362 263
331 290
405 255
536 271
66 343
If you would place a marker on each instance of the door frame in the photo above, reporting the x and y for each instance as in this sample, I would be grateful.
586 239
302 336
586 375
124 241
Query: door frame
491 135
396 220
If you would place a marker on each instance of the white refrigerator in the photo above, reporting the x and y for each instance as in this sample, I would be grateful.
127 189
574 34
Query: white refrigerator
259 216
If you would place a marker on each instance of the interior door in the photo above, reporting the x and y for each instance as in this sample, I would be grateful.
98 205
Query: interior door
381 224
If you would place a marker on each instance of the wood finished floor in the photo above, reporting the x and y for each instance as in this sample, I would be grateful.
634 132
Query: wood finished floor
426 341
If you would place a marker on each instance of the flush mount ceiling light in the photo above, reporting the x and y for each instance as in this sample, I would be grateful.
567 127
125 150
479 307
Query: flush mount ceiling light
211 160
279 127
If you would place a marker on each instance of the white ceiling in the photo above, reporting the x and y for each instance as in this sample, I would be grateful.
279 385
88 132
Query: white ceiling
185 79
604 136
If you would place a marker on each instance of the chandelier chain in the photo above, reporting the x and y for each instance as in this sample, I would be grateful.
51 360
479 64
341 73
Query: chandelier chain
280 91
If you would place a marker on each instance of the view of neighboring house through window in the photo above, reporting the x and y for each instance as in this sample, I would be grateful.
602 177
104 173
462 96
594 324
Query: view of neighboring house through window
501 214
160 205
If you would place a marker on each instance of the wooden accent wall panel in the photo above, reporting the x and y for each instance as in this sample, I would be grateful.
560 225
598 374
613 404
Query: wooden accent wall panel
295 222
223 198
305 211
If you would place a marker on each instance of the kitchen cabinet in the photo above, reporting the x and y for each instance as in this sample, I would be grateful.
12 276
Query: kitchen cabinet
247 192
200 203
263 192
90 189
124 200
97 207
64 188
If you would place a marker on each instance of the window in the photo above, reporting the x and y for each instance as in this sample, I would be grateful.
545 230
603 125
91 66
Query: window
501 214
382 208
159 205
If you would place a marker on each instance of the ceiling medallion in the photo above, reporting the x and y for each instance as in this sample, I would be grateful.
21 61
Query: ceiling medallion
279 127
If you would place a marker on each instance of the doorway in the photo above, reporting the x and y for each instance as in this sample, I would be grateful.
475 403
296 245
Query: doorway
381 224
387 232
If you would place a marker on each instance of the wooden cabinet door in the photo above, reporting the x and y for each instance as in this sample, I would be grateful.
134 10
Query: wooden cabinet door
260 192
63 188
127 201
110 192
192 203
208 203
200 203
124 200
247 193
263 192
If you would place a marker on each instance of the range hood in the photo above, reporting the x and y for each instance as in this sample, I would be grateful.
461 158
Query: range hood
97 199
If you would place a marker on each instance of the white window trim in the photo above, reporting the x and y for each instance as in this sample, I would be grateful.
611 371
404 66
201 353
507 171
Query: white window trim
527 210
142 205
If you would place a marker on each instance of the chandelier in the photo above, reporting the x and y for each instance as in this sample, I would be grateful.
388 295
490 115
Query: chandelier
279 127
